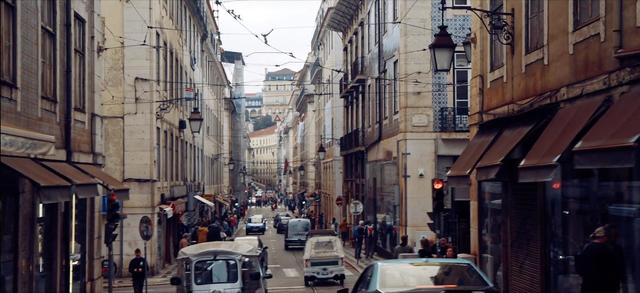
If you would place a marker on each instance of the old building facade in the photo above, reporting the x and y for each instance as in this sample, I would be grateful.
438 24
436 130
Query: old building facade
554 153
263 159
52 146
163 66
276 91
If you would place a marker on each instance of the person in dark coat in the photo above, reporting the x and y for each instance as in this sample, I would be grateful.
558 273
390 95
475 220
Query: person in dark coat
214 233
358 235
138 270
601 262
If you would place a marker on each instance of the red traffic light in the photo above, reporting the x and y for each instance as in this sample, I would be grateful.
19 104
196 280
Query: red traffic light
437 183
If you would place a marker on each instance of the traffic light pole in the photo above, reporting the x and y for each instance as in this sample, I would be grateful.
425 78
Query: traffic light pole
111 268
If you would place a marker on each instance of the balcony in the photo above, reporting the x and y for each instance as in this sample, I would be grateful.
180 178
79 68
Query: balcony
450 119
344 85
350 141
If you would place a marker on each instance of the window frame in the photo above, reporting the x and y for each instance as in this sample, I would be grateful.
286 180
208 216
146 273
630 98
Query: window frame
48 31
578 22
528 28
496 49
79 63
467 69
12 77
467 3
395 96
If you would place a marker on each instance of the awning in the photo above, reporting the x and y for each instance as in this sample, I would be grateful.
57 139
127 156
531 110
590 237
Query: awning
52 187
83 185
541 162
459 173
491 161
204 200
121 191
222 201
613 141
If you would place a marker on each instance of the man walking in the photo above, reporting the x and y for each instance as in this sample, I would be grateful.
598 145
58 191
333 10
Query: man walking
138 270
358 234
601 262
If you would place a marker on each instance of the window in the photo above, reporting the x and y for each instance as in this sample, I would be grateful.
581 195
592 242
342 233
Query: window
496 49
215 272
377 20
158 154
395 9
534 25
491 230
170 162
384 16
461 3
369 30
462 87
585 12
8 41
379 97
396 104
166 156
165 66
158 63
172 76
385 94
369 108
79 64
47 50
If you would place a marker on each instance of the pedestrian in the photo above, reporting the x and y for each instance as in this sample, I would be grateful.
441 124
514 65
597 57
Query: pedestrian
334 225
184 242
451 252
601 262
370 239
358 234
443 244
202 233
138 270
321 220
403 247
344 231
215 232
425 250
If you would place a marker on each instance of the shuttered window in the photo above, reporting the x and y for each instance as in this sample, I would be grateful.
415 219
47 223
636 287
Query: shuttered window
47 50
585 12
79 64
8 41
534 25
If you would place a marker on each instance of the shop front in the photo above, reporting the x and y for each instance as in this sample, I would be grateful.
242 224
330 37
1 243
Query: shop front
546 180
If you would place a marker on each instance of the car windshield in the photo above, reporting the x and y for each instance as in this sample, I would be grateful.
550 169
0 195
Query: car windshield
428 275
323 246
255 219
215 272
299 226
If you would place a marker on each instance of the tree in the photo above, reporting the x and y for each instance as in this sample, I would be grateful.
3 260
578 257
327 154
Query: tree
262 122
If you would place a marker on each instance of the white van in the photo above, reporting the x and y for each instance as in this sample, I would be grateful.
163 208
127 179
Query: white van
323 260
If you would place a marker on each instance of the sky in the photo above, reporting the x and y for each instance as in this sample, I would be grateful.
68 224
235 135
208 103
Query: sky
292 21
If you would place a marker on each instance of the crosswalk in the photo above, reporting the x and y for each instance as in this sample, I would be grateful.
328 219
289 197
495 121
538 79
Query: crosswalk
295 273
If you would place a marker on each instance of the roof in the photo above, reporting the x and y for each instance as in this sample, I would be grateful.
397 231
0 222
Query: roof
285 72
217 248
232 57
329 246
264 132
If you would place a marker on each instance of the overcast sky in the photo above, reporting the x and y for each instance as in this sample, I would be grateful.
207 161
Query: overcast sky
292 22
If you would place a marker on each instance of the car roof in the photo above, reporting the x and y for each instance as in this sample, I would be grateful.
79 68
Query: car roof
432 260
217 248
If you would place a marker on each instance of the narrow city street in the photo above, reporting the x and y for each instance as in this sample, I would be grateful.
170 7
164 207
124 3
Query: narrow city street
286 265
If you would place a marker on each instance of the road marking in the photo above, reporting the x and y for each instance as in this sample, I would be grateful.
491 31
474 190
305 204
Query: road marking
291 273
274 266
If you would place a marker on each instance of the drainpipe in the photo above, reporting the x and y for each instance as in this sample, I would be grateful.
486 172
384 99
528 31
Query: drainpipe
68 83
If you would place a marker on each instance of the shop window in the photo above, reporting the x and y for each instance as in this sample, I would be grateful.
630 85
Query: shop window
491 231
8 233
46 243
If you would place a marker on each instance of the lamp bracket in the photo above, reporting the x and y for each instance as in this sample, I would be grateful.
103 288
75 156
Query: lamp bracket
494 22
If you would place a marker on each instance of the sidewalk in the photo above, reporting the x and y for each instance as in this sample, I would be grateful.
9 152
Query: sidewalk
350 259
160 279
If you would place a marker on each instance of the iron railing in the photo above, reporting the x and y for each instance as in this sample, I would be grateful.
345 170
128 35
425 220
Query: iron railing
351 140
450 119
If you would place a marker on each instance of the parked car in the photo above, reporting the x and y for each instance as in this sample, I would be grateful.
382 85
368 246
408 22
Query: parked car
422 275
297 232
323 260
257 244
220 267
283 225
256 224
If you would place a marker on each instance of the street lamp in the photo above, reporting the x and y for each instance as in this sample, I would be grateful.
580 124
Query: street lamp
442 48
195 120
322 152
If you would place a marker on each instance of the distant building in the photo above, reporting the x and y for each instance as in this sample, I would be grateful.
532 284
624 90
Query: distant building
276 91
263 163
253 104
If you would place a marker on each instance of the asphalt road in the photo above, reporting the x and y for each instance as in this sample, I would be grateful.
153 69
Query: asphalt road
286 265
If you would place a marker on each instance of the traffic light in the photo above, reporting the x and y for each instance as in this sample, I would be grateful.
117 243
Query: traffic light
113 218
437 193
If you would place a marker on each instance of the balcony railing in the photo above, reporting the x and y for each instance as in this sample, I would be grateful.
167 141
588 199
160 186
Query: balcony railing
451 119
351 140
358 68
344 83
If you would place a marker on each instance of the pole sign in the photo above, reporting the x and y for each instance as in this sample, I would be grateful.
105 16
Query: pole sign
356 207
188 94
339 201
146 228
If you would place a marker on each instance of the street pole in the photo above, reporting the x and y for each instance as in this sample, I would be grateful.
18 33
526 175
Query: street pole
110 253
146 285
